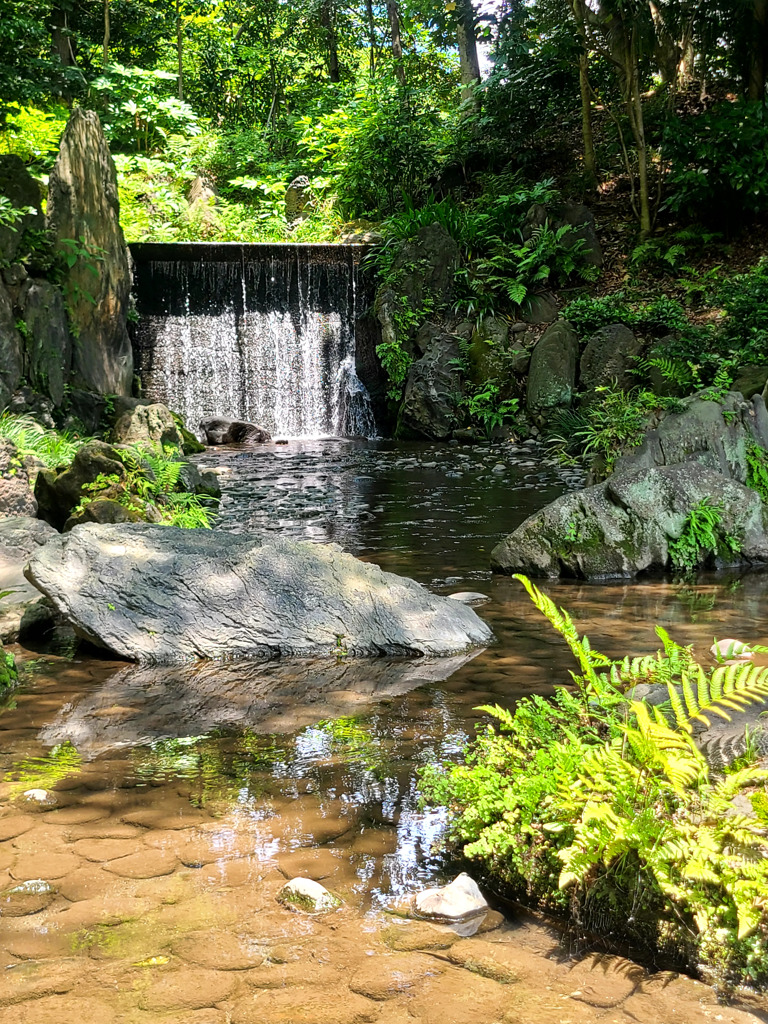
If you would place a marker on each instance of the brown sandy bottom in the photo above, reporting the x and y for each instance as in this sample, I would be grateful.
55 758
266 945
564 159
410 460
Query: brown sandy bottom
158 911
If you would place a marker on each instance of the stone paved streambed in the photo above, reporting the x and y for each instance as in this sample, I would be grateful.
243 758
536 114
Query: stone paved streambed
140 883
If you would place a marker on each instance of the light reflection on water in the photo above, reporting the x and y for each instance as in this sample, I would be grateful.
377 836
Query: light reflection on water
292 761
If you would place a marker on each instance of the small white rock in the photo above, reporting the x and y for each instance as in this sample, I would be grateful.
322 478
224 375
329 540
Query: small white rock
469 597
731 650
454 902
308 896
41 797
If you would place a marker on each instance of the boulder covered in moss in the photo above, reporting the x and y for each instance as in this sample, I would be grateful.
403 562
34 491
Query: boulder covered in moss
148 424
58 493
552 373
629 524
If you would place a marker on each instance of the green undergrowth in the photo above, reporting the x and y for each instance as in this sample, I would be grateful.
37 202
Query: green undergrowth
596 804
52 447
152 489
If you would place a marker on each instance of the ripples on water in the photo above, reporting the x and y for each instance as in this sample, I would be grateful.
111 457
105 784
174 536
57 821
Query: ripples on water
291 766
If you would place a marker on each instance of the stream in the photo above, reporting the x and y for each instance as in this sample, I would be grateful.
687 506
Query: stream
179 800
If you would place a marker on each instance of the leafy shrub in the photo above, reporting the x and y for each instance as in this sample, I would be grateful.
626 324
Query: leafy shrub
486 408
52 447
757 470
601 803
381 147
33 134
719 163
744 298
154 474
137 111
606 428
659 315
8 673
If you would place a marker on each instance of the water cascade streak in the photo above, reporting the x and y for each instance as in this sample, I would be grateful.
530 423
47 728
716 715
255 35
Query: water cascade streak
263 333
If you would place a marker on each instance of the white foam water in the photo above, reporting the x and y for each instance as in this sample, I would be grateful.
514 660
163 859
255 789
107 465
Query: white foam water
266 340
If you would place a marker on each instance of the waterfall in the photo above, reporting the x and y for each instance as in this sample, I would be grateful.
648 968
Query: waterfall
262 333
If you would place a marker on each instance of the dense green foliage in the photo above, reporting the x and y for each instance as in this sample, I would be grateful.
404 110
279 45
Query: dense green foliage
52 447
597 800
374 103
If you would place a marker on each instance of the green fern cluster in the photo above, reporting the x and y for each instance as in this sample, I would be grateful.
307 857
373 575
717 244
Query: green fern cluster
151 488
595 800
702 536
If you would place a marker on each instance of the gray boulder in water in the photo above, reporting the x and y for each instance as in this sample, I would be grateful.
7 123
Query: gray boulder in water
222 431
154 593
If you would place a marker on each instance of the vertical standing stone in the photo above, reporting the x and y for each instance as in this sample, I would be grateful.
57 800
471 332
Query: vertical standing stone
83 207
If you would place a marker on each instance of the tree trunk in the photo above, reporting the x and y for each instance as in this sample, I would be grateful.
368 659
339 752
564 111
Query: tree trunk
468 59
371 38
105 47
329 30
637 121
60 38
180 49
397 44
590 163
758 50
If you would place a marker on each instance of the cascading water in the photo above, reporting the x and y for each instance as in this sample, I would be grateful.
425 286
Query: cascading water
262 333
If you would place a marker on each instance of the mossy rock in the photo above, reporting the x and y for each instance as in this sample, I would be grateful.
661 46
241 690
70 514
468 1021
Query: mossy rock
307 896
8 673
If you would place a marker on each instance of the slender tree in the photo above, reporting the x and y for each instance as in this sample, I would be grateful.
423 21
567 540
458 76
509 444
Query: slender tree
393 14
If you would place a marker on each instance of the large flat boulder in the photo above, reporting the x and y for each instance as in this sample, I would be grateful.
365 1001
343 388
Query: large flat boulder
154 593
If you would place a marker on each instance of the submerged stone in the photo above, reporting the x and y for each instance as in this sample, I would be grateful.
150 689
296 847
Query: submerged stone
458 901
30 897
469 597
308 896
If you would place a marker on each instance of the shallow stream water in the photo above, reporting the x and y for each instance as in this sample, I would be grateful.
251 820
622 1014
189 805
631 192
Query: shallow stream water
180 799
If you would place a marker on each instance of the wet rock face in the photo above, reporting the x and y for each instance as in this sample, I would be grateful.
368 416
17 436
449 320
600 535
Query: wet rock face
625 525
156 593
83 206
429 407
222 431
552 375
